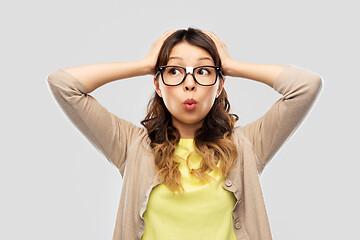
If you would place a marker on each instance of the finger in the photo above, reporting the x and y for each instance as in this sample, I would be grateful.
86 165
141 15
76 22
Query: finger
208 33
217 40
163 37
216 37
167 33
211 34
213 37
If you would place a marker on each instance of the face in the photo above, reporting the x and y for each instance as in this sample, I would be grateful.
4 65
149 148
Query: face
187 55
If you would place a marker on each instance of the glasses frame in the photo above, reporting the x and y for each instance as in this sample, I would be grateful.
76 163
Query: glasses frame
187 71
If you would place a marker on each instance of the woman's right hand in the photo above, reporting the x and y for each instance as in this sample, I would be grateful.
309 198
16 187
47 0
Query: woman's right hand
153 54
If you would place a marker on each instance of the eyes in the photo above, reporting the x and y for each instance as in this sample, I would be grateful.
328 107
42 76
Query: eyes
204 75
175 71
202 71
198 71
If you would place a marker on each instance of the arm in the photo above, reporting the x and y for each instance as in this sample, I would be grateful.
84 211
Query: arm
265 73
299 88
95 75
108 133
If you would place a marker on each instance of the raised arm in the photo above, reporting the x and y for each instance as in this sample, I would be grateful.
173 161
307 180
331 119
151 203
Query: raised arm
299 88
108 133
95 75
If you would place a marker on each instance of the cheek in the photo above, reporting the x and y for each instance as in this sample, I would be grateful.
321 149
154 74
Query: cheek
170 98
208 100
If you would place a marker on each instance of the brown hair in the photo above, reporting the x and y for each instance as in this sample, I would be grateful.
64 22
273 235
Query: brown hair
212 141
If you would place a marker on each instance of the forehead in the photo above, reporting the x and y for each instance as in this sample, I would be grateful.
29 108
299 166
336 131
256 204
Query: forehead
190 54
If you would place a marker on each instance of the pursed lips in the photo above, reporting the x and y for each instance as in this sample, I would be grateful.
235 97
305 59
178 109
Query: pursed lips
190 104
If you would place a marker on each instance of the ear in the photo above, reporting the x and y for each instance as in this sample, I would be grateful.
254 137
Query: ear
220 88
157 88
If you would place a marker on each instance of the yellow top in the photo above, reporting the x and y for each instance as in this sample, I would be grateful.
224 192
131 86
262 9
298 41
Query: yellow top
203 212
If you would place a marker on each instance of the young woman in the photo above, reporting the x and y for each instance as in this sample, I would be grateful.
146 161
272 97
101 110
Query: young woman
189 173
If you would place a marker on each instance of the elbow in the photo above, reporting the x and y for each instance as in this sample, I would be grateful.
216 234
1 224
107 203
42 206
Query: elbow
315 85
313 80
318 84
52 78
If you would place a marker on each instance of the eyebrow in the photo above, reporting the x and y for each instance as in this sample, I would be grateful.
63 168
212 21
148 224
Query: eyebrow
202 58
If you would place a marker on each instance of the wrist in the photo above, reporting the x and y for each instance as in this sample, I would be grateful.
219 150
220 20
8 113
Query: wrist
146 66
228 67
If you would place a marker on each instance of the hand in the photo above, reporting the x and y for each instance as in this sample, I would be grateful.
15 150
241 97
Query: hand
222 49
153 54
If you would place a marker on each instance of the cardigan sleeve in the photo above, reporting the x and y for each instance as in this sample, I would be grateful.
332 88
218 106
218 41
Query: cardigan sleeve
109 134
300 89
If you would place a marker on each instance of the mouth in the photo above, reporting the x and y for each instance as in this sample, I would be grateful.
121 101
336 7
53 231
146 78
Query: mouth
190 104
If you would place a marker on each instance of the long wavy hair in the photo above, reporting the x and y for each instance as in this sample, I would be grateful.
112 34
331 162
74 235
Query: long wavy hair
212 141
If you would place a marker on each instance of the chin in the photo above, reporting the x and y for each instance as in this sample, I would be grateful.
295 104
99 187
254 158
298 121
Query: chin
190 121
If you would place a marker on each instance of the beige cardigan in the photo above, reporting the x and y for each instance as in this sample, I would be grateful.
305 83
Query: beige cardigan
127 147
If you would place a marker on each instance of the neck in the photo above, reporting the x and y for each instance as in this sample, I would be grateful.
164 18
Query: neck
187 130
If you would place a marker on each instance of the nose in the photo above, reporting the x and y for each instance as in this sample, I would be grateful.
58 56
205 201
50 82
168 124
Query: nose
189 83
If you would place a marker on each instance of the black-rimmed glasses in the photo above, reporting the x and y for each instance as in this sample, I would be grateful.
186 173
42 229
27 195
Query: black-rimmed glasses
175 75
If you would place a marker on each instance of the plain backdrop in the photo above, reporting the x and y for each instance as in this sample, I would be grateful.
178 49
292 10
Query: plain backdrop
55 185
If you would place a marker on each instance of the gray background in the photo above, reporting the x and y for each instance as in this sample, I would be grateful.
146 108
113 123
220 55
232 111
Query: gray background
55 185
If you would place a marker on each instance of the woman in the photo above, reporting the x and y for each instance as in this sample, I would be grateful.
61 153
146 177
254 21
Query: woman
189 173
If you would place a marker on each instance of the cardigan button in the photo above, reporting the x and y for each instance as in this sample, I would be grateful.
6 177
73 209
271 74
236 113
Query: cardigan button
228 182
237 225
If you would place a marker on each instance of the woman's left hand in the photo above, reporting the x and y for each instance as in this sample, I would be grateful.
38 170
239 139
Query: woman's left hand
222 49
